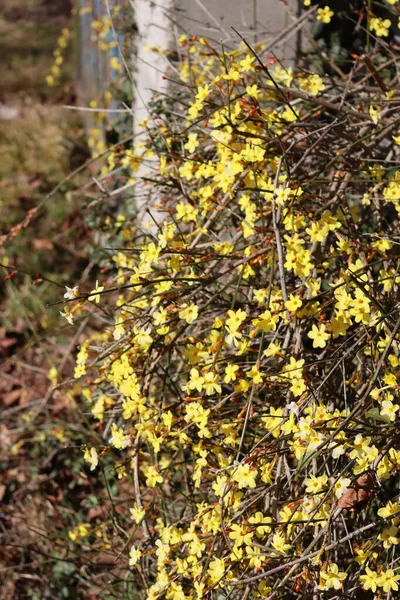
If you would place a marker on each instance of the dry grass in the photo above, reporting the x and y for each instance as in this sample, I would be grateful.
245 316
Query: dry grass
40 143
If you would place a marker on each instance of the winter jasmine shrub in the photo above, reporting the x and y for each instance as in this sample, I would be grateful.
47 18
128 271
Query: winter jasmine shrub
244 381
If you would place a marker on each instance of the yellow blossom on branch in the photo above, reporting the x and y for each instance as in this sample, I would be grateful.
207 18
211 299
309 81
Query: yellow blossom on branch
319 335
95 294
189 313
325 14
331 577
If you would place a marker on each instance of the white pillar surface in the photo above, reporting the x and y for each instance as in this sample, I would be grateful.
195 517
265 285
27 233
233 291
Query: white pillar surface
154 29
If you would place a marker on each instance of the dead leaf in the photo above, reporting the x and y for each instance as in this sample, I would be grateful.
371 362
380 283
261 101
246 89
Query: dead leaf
105 558
8 341
43 244
359 494
97 512
10 398
6 345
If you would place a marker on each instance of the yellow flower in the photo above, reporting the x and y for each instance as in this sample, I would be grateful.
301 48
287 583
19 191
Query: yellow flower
186 212
319 336
67 314
314 485
388 536
230 373
279 543
312 84
256 558
262 524
273 421
196 380
389 409
283 75
380 26
325 14
232 75
52 376
91 457
245 476
71 292
332 577
374 114
203 92
293 370
137 514
255 374
388 580
216 570
338 326
273 349
241 535
134 555
115 64
182 40
266 321
96 292
247 64
189 313
266 475
219 486
293 303
234 321
194 109
253 91
81 530
263 588
150 253
298 387
186 170
211 384
389 510
118 438
370 580
152 476
282 195
192 142
252 152
341 486
364 554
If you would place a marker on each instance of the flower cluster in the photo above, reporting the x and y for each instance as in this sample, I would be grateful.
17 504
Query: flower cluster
245 380
53 78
